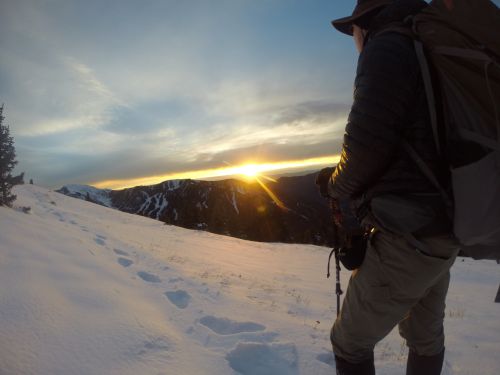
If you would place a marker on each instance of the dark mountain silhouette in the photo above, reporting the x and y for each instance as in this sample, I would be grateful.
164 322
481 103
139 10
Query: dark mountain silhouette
297 214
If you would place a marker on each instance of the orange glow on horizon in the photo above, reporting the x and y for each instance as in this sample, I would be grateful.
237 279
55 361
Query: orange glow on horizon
250 171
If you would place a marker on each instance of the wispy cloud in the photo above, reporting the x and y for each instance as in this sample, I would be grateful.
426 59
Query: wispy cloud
127 89
66 95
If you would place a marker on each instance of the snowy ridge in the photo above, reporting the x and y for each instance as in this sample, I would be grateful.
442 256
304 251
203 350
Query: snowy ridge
174 184
86 192
97 291
231 207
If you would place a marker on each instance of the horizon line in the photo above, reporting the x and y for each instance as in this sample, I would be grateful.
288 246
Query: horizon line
218 173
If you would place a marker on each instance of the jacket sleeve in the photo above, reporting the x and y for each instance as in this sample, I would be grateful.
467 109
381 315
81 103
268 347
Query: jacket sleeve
384 90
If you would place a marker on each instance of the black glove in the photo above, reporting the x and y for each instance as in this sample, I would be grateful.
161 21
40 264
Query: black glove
323 179
352 253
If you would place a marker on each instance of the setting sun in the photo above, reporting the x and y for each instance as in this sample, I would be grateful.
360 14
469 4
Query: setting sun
250 170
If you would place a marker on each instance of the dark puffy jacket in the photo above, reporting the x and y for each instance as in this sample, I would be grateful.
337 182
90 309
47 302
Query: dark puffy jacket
389 107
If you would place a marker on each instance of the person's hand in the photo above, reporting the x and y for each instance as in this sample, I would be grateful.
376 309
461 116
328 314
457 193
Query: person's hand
323 179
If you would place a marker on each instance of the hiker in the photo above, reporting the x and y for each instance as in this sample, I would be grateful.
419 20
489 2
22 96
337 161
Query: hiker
403 279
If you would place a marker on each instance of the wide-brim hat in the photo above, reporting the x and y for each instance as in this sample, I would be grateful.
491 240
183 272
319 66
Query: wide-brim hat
344 24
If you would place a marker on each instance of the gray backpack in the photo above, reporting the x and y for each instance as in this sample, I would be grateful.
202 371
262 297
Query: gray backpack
458 46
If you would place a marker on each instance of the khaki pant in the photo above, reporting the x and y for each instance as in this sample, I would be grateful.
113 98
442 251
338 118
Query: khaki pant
396 284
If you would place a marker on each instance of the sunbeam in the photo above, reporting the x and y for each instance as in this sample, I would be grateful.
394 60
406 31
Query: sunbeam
273 196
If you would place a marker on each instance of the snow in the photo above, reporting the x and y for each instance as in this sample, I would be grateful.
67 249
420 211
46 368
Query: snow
91 290
161 209
145 205
234 203
160 203
174 184
98 195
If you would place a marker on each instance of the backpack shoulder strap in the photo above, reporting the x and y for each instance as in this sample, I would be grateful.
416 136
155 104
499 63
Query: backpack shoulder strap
406 28
429 91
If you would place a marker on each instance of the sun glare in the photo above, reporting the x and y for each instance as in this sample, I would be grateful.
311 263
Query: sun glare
250 170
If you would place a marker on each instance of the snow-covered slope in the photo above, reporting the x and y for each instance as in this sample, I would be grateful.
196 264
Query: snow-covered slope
89 193
287 210
90 290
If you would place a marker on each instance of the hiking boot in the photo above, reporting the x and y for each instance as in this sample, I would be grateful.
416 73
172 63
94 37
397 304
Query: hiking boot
424 365
346 368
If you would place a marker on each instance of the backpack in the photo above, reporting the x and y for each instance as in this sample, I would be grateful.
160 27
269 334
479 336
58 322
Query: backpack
457 43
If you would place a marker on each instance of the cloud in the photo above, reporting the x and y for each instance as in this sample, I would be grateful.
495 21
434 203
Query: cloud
99 90
49 93
313 112
305 124
89 155
271 152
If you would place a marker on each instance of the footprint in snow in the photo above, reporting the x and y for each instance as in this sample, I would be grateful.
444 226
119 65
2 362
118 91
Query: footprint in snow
264 359
149 277
125 262
157 343
98 240
224 326
120 252
179 298
326 358
59 216
153 346
175 279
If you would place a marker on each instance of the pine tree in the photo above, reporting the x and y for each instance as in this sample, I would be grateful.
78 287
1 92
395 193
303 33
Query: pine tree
7 164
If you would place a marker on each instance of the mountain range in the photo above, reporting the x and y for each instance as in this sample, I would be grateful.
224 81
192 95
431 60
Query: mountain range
288 209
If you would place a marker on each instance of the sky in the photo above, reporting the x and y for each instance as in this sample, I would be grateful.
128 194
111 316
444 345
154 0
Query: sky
117 93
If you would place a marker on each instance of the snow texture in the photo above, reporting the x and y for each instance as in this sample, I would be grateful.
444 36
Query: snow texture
179 298
224 326
264 359
91 290
97 195
125 262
